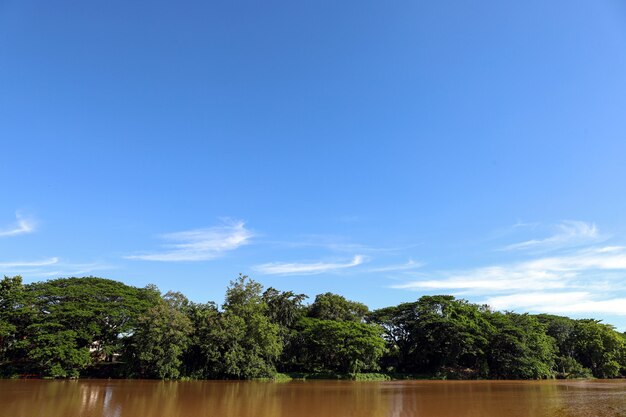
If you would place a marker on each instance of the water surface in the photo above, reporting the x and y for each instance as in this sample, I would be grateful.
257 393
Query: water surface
128 398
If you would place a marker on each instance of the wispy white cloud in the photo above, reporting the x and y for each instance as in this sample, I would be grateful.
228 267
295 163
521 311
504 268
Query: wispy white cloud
334 243
589 280
278 268
51 267
545 273
10 266
489 279
22 225
567 233
73 269
570 302
407 266
200 244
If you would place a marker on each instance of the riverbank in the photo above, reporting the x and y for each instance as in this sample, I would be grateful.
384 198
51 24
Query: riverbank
99 328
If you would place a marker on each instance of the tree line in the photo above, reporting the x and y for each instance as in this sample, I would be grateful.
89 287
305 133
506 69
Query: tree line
71 327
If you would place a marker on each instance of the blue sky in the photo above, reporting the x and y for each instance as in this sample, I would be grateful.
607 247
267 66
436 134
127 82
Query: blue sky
378 150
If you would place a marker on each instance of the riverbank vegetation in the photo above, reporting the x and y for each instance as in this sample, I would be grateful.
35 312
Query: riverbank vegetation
73 327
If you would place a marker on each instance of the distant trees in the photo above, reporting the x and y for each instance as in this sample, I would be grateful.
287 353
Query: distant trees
93 326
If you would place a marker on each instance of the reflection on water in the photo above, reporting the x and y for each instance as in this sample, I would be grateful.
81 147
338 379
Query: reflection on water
111 398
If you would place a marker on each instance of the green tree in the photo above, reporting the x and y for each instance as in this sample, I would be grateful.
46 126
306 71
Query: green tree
562 330
339 346
519 348
161 337
57 351
329 306
250 343
599 347
11 301
203 357
67 324
435 334
285 309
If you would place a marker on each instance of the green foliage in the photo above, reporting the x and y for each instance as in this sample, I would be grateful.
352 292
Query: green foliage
283 308
519 348
66 324
80 326
341 346
586 347
434 334
370 376
57 351
161 337
281 377
567 367
331 306
202 358
11 301
253 343
239 343
599 347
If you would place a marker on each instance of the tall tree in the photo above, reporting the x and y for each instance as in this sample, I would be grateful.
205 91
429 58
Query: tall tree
11 301
519 348
435 334
284 308
599 347
329 306
562 330
250 342
203 357
69 323
161 337
339 346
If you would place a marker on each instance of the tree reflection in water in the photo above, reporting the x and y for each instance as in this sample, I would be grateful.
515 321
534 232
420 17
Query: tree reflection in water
132 398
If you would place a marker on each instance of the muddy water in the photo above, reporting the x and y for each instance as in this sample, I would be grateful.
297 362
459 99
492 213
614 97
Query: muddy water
91 398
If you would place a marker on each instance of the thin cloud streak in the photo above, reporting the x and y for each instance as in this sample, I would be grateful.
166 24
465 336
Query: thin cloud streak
408 266
278 268
584 281
578 302
51 267
73 270
28 264
569 232
23 225
546 273
338 244
200 244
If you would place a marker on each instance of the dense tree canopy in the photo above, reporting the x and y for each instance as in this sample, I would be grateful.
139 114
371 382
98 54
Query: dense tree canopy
160 338
331 306
61 326
91 326
434 335
519 348
339 346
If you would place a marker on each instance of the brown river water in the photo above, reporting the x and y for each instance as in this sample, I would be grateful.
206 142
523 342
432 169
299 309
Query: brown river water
135 398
